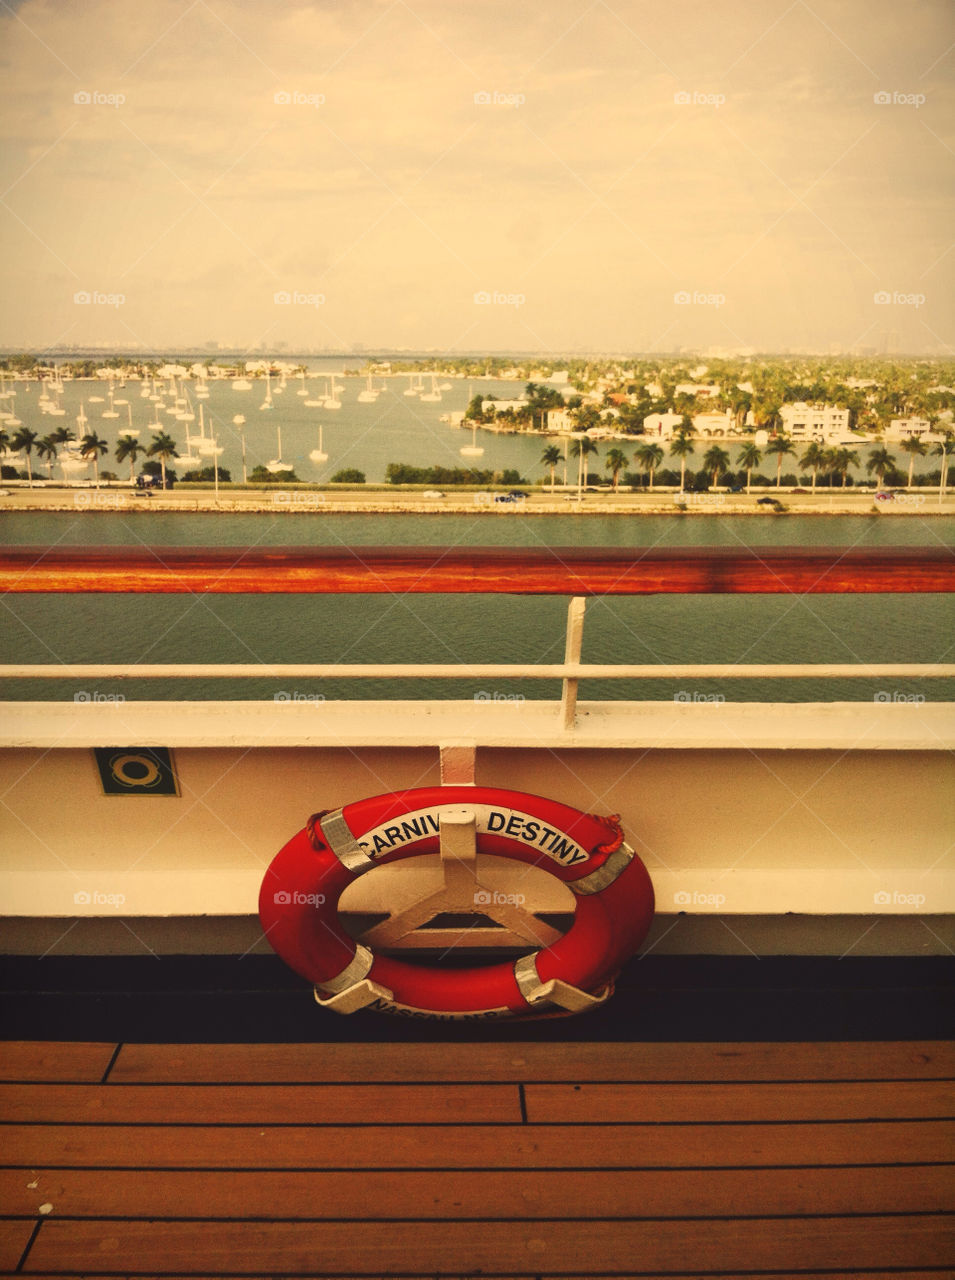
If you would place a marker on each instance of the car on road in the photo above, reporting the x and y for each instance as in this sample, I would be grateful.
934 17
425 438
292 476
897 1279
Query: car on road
432 493
885 496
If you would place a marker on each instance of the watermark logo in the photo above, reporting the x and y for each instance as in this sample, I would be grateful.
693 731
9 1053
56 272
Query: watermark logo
113 501
703 499
94 695
295 898
289 498
912 499
496 98
896 899
683 98
297 98
684 298
488 298
293 695
292 298
694 695
487 898
96 898
96 98
896 695
897 99
885 299
93 298
494 696
696 899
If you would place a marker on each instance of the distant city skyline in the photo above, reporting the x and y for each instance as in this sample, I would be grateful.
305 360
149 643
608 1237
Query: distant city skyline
543 179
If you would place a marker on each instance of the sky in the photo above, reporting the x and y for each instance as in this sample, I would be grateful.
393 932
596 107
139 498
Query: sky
481 176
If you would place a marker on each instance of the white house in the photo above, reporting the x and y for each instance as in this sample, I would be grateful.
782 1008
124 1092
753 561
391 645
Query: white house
902 428
662 424
811 422
560 420
714 424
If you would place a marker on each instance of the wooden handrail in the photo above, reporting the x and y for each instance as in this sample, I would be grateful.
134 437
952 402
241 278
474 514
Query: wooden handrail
576 571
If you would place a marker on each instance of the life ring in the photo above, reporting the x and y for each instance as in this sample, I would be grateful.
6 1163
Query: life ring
298 904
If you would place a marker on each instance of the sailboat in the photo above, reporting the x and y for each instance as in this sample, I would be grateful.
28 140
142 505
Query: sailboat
267 402
277 464
413 389
207 444
130 430
331 400
200 439
369 395
319 455
303 390
434 395
472 450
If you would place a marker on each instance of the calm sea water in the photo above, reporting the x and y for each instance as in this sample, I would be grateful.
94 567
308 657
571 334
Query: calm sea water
445 628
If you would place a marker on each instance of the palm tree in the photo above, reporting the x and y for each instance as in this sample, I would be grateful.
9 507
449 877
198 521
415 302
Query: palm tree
649 457
23 442
46 448
941 451
582 446
616 460
551 458
63 435
129 447
838 461
164 448
880 461
92 448
915 448
749 457
815 457
716 461
780 445
681 446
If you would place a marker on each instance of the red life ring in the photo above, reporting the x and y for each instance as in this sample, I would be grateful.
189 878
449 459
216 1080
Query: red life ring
298 904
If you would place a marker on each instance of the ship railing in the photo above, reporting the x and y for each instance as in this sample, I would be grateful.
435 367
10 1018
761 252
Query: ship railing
579 573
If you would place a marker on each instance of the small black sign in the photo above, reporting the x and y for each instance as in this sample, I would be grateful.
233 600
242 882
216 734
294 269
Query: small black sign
136 771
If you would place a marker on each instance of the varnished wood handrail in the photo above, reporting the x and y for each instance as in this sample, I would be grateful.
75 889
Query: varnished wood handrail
577 571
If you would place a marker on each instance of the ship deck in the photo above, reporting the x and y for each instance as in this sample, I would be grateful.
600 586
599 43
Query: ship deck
519 1159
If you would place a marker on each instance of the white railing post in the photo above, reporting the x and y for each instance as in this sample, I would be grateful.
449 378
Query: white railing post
572 652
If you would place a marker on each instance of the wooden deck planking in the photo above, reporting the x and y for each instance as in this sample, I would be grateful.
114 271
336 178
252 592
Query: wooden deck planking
335 1063
439 1247
54 1060
760 1101
492 1193
251 1104
46 1146
14 1237
417 1160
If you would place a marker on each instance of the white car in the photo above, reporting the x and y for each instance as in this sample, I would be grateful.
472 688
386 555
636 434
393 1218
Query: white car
432 493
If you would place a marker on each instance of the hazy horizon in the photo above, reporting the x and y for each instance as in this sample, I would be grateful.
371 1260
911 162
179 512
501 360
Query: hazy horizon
566 178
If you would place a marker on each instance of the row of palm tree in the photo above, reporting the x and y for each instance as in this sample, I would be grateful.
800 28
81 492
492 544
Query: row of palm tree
717 461
91 447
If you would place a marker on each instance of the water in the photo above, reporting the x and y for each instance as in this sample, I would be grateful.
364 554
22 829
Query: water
498 629
366 437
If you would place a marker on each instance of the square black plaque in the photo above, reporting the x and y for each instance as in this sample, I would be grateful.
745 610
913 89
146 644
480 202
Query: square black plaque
136 771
